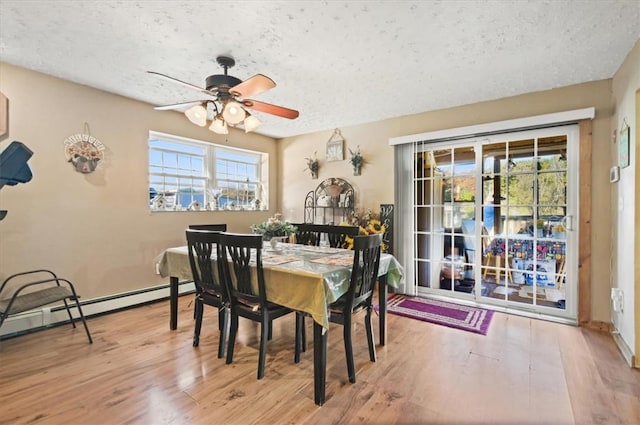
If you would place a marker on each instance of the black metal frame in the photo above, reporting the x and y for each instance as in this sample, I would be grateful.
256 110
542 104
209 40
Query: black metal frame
311 206
41 297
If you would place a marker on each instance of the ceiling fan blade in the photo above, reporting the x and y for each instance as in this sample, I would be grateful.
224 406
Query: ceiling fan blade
177 105
192 86
268 108
254 85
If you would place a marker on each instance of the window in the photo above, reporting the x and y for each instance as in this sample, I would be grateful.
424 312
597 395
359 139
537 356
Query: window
186 174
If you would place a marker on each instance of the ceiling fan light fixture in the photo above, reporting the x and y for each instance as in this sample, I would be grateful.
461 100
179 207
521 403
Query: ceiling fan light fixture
225 110
197 115
233 113
251 123
219 126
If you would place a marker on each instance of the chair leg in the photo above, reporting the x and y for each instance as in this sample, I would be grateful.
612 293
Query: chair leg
223 313
348 348
197 314
84 322
194 310
370 341
66 305
270 332
233 330
303 336
264 337
221 318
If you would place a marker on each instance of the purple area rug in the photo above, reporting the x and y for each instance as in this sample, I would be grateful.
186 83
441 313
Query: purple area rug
468 318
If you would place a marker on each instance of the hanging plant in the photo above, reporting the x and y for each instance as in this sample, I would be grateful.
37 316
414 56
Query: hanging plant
313 166
356 161
83 151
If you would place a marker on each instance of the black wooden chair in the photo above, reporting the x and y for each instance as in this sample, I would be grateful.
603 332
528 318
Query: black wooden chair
37 288
209 227
364 274
307 234
206 277
247 293
359 296
311 234
336 235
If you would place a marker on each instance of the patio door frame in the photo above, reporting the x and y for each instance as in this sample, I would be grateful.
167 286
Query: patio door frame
581 165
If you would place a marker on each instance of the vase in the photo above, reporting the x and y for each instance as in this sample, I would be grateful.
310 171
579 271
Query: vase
274 243
356 170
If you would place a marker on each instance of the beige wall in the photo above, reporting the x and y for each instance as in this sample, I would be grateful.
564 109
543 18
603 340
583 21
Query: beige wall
375 185
96 229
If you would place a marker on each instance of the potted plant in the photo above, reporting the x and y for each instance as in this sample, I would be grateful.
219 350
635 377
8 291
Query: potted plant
274 228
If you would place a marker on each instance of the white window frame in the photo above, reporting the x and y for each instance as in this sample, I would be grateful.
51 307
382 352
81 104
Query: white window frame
250 191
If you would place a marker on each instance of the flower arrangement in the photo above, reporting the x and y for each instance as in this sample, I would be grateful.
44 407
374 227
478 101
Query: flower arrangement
313 165
274 226
356 158
85 150
369 224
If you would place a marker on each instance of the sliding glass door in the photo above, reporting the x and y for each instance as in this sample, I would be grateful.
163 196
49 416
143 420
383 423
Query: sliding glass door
493 220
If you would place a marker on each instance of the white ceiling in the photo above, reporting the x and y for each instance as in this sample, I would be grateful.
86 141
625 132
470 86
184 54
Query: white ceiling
339 63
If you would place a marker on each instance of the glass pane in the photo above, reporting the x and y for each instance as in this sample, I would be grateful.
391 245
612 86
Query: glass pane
170 160
552 189
423 273
423 218
423 246
464 189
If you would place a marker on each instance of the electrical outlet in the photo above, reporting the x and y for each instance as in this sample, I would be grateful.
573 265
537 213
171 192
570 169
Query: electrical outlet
617 300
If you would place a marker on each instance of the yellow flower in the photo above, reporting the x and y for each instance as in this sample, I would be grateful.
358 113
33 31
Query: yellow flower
375 227
372 228
348 243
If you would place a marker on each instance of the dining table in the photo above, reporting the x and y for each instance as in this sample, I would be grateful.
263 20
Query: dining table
302 277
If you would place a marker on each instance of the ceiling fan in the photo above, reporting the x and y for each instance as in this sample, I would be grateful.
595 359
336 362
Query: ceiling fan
229 104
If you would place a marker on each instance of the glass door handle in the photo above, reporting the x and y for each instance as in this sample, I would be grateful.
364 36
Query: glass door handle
567 221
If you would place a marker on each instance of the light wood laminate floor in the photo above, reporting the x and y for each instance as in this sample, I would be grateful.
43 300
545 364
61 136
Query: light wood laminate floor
524 371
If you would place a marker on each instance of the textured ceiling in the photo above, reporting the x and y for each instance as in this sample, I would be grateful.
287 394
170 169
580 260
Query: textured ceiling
338 62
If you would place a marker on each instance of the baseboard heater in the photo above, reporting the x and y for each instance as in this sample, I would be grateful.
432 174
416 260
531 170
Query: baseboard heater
45 317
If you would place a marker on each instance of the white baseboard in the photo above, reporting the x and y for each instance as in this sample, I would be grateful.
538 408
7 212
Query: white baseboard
626 352
54 314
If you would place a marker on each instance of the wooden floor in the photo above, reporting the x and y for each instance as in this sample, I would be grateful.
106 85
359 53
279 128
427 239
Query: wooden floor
138 372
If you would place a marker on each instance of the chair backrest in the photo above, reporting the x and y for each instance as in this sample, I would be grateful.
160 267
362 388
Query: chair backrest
209 227
206 274
307 234
240 254
364 273
336 235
